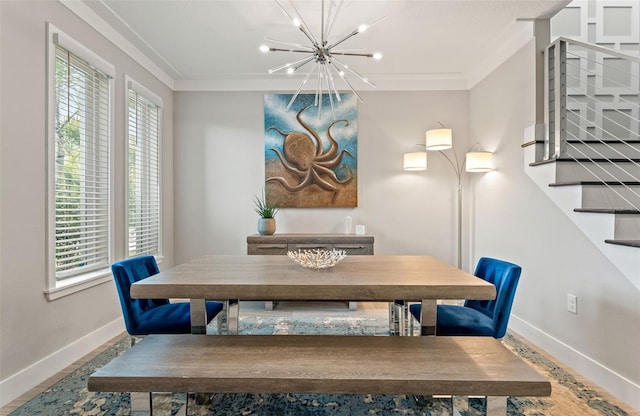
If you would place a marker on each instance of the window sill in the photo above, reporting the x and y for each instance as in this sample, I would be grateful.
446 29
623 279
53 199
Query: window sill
72 285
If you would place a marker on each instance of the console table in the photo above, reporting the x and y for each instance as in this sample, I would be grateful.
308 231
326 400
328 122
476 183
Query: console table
279 244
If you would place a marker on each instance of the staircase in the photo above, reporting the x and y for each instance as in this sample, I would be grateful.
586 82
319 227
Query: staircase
586 156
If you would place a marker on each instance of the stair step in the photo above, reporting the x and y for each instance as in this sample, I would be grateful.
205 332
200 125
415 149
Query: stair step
607 141
629 243
596 183
606 194
609 211
612 149
573 141
583 160
584 169
595 159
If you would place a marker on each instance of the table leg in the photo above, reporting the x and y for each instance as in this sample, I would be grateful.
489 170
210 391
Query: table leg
496 405
233 311
428 319
198 316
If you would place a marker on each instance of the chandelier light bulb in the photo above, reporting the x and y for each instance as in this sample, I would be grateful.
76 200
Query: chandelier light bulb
322 52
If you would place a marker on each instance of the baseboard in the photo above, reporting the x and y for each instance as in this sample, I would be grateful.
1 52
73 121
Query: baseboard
616 384
21 382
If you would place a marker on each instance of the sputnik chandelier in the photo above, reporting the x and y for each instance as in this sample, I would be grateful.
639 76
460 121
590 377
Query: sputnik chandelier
322 53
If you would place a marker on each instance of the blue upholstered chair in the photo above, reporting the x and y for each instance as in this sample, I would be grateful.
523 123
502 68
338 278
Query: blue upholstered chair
480 317
152 316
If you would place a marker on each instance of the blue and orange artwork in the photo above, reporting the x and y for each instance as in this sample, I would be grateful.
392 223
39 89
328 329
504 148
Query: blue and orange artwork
311 151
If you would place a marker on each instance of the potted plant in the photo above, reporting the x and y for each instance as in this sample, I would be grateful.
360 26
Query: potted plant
267 213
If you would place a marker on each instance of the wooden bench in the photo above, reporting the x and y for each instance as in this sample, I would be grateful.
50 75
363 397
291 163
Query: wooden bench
459 366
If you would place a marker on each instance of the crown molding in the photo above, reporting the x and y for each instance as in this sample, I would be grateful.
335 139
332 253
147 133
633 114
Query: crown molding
84 12
407 82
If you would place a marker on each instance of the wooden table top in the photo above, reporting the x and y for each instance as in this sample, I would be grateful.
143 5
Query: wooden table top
321 364
362 278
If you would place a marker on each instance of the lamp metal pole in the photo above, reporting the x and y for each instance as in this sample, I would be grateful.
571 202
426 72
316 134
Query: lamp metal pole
457 168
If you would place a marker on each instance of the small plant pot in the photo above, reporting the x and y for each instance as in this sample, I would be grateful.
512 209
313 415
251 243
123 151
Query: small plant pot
266 226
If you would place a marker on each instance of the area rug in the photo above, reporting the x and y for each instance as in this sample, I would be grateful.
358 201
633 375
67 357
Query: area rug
570 397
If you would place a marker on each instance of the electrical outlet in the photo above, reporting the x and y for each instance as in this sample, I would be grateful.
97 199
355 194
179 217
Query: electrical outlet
572 303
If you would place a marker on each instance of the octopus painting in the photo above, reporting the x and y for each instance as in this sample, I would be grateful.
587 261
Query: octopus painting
307 170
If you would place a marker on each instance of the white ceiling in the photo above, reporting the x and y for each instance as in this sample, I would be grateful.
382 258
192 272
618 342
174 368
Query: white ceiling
213 44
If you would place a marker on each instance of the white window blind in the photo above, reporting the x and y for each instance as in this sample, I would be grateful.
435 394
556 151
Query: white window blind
81 160
144 175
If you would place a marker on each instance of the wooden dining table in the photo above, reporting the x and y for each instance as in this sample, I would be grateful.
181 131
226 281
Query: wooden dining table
377 278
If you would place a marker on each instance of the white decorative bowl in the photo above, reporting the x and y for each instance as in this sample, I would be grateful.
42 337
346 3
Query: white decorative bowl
317 258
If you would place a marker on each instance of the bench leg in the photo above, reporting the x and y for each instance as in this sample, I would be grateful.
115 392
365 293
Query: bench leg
496 405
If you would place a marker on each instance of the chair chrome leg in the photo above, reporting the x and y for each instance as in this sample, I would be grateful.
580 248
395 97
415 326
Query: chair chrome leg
398 317
391 317
459 405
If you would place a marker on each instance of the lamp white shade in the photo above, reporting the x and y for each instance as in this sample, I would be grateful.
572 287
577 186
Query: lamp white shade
439 139
415 161
479 162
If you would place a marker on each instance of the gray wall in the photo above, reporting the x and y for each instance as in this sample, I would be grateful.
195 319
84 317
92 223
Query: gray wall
515 220
37 336
219 167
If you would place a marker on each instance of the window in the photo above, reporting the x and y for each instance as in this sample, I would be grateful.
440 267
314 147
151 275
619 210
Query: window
144 171
80 85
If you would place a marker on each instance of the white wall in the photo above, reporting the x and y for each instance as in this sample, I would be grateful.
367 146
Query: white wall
219 167
513 219
39 337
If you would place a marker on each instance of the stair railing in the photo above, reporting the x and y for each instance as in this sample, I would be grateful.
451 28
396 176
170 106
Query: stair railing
592 111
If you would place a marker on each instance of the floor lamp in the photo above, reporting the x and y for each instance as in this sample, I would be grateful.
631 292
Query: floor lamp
439 140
